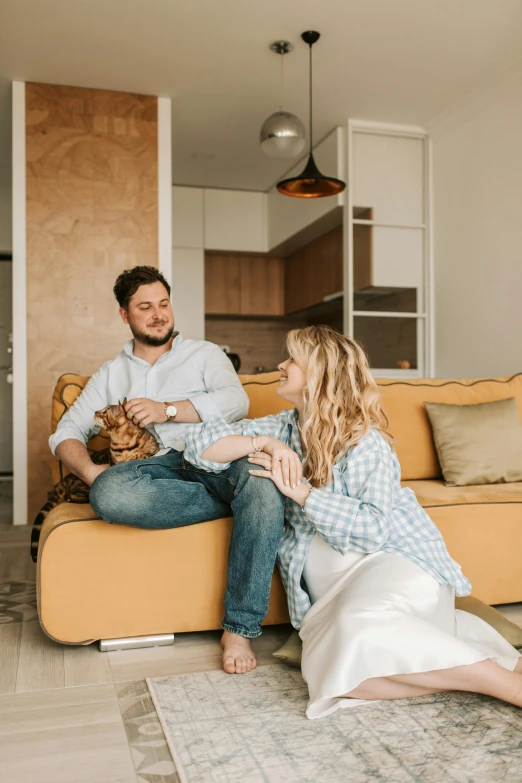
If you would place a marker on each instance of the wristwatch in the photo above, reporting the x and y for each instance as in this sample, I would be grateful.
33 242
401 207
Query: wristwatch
170 411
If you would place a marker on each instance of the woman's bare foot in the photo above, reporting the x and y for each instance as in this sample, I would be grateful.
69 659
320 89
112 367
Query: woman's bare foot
238 656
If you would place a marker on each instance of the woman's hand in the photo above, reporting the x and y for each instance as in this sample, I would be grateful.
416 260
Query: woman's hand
288 478
282 455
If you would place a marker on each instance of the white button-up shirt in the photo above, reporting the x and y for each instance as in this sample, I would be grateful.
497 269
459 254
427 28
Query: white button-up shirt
193 370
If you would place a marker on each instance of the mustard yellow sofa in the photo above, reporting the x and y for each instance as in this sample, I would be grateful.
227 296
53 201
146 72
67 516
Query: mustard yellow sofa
99 581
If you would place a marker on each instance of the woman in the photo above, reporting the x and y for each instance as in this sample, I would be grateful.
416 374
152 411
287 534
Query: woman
371 586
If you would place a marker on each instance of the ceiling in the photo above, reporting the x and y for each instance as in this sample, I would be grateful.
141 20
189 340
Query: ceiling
402 61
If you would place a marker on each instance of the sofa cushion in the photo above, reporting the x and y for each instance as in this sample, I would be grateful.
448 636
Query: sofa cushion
431 494
403 403
477 444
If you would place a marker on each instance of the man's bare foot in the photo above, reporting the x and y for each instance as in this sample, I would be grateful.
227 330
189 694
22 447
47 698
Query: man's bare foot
238 656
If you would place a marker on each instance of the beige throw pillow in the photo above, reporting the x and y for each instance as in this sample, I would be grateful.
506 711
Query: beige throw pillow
477 444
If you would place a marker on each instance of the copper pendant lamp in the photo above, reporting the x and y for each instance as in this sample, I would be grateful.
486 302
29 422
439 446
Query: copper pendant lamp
311 183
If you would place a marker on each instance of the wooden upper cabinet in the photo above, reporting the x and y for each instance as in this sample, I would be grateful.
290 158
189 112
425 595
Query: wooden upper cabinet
262 282
222 284
314 271
243 285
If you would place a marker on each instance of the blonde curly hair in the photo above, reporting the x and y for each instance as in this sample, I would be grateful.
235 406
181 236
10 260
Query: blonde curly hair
342 400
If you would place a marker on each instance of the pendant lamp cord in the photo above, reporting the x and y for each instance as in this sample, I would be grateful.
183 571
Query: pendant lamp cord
311 133
282 82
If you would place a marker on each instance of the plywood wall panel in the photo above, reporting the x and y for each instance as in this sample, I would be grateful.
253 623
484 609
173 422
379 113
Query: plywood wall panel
92 211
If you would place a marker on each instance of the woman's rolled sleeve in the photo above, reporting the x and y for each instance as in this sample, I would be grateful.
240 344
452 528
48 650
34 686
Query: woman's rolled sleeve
199 437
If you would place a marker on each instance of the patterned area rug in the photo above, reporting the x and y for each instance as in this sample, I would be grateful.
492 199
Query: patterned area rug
253 729
148 746
17 602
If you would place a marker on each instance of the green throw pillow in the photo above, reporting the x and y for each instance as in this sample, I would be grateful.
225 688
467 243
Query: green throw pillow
290 652
477 444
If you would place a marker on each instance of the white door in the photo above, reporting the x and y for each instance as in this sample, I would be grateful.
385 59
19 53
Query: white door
6 387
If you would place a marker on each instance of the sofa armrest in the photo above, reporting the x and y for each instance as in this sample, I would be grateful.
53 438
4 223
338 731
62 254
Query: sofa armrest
65 512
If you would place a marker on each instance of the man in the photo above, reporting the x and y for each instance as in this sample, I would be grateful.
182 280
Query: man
170 382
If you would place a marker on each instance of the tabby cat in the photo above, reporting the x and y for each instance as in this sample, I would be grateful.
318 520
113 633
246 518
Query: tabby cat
127 442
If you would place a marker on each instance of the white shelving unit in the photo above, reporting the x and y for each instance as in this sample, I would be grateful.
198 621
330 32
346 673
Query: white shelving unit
389 173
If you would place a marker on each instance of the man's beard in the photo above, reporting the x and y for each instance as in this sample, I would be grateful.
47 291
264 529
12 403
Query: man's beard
149 339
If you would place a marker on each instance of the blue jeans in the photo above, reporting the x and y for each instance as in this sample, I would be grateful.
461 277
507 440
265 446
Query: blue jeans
164 492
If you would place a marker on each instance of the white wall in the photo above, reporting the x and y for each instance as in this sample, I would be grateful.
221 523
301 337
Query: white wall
478 234
6 242
188 262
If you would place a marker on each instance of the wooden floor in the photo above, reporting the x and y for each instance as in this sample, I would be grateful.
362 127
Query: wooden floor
75 715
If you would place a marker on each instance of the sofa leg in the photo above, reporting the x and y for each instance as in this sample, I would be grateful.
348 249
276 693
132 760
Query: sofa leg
132 642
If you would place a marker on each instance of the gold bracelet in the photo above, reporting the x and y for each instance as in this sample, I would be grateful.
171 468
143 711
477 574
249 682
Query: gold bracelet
254 444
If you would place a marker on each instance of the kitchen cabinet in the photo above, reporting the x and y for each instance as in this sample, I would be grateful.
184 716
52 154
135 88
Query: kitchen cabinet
243 285
314 272
235 220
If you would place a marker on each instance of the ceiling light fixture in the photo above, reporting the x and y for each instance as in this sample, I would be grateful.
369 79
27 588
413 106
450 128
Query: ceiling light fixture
282 134
311 183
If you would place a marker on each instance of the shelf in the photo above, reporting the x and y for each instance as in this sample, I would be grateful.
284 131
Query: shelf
382 224
385 298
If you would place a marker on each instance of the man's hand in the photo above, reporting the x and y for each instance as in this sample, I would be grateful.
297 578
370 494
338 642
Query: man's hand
143 411
93 473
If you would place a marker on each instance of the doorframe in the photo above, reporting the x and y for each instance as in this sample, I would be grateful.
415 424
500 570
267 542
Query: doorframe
165 188
19 356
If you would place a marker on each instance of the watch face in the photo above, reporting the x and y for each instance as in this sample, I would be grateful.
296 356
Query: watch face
171 411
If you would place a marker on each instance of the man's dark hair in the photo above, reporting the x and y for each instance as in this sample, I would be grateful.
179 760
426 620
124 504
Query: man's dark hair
130 280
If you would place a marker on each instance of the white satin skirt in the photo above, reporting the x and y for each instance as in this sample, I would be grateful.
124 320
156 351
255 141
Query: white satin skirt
380 614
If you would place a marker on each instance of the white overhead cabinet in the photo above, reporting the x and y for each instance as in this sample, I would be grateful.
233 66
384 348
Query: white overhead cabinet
235 220
388 259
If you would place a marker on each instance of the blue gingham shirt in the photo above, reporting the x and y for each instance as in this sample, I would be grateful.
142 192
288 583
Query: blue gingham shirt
363 509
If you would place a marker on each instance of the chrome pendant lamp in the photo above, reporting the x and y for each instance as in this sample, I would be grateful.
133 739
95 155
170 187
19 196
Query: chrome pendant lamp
282 134
311 183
